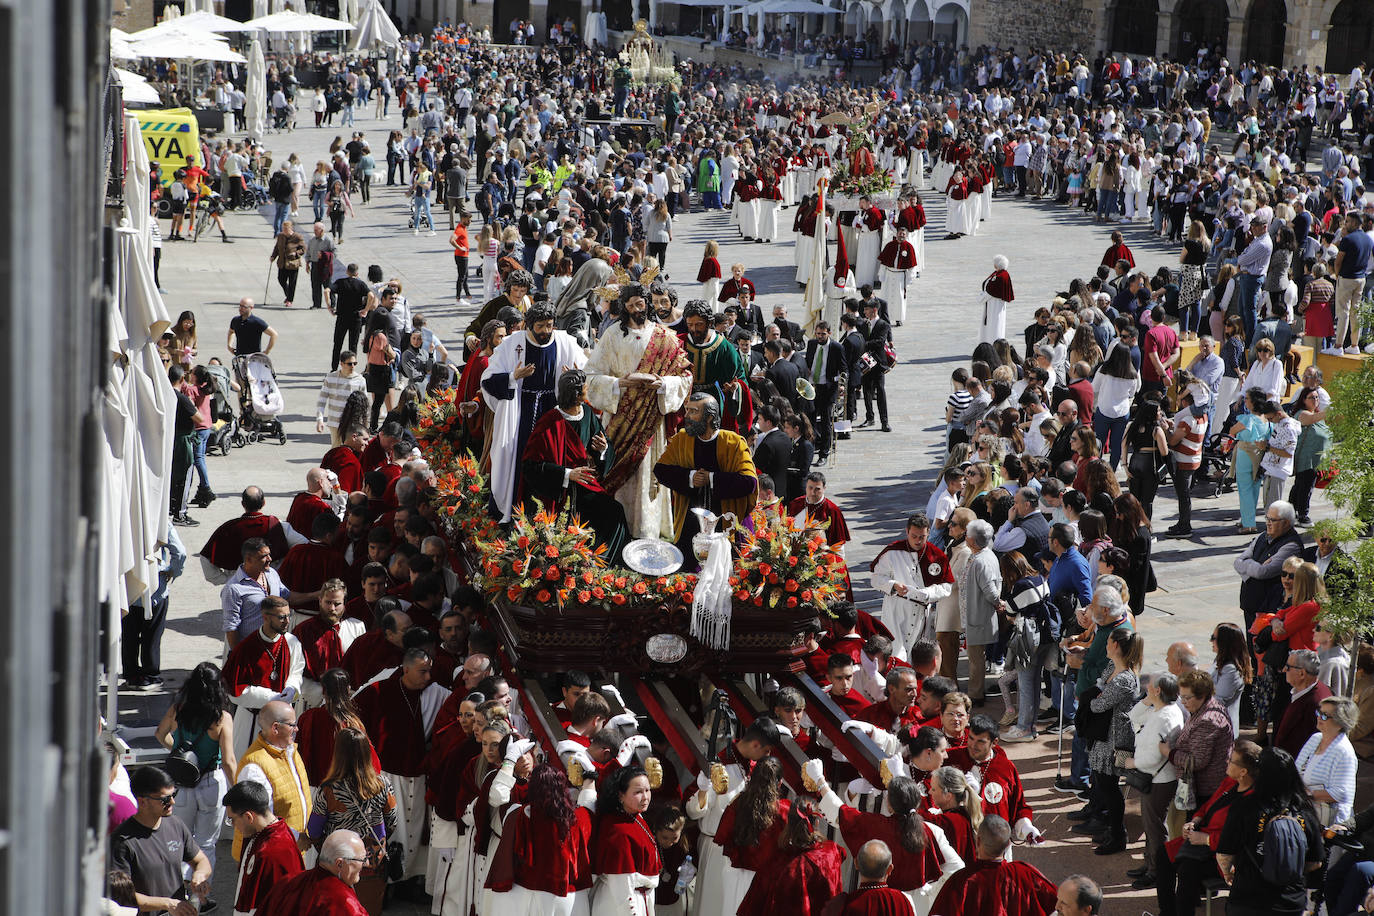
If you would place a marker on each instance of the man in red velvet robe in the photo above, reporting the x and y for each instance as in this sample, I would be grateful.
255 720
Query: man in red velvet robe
375 455
840 670
267 664
224 550
991 885
346 460
1119 251
324 639
270 854
326 889
398 713
994 777
374 583
312 501
378 649
844 637
899 710
307 566
814 511
452 648
873 897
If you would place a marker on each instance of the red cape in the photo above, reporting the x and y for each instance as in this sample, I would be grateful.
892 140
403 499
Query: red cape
873 900
623 845
934 564
224 549
312 893
269 859
898 255
308 566
801 886
837 532
343 461
315 741
997 888
998 286
533 855
304 509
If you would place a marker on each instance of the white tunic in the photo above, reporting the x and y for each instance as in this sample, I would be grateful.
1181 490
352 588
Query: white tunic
910 618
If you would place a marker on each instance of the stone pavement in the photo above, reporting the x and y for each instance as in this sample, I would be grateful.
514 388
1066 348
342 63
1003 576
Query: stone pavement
876 478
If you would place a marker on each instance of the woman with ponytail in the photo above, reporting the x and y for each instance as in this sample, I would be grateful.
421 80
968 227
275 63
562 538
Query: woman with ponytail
961 811
199 721
922 858
543 859
319 725
751 830
624 854
803 878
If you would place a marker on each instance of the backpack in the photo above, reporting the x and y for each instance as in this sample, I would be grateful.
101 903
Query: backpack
1283 851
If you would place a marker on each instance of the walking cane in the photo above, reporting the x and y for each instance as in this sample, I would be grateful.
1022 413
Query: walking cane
267 287
1059 751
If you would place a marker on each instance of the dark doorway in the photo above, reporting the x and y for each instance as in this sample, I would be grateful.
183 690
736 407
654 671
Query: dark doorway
242 10
1266 25
1351 39
1201 23
1135 26
503 13
561 10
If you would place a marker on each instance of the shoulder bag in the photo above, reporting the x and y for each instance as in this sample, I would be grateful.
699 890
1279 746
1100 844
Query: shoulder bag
1185 799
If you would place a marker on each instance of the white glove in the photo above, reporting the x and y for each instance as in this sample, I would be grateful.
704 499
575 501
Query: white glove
859 787
851 725
896 766
1024 830
588 764
568 747
703 782
625 718
609 690
518 748
628 748
288 695
814 771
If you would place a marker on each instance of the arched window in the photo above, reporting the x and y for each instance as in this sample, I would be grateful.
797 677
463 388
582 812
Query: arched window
1351 39
1201 23
1135 26
1265 27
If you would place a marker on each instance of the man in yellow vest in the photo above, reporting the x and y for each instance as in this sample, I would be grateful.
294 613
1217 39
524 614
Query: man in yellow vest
273 762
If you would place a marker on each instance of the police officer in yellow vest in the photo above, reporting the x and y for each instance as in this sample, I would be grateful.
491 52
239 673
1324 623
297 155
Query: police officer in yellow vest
273 762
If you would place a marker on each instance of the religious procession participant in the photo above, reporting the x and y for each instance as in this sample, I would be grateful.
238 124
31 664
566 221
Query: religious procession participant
399 713
270 855
868 242
898 259
990 772
911 216
706 467
638 376
268 664
566 459
519 385
324 638
997 295
326 889
913 575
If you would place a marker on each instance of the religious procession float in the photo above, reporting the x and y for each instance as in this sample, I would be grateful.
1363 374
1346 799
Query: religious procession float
559 602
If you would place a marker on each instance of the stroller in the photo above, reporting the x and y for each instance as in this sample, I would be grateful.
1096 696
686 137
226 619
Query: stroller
226 425
260 400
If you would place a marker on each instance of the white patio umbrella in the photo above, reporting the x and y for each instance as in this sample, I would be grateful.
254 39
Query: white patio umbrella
210 22
374 28
186 47
182 25
255 103
121 49
292 21
136 88
119 33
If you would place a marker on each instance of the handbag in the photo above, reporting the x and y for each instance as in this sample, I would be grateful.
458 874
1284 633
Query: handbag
1185 799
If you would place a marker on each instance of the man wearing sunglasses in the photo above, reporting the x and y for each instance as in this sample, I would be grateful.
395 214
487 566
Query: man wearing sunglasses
1299 720
152 846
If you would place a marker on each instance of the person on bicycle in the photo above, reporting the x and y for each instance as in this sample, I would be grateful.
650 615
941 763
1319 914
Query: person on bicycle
213 212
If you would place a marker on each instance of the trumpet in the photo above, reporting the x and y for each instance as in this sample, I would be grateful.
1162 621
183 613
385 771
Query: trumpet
806 389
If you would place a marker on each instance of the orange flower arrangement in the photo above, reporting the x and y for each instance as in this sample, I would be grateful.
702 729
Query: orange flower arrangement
780 566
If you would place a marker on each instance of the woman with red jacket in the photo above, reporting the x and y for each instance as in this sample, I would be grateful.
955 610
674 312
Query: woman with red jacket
1182 871
625 856
750 831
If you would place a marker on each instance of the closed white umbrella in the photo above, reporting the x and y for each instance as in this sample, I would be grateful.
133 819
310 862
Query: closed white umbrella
374 28
255 103
136 89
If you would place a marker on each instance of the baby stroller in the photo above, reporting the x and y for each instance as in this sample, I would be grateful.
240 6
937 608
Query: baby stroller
226 425
260 400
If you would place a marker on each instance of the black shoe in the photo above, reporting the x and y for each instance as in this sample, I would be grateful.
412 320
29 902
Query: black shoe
822 458
1069 786
1091 827
209 906
203 498
1112 847
1139 872
1084 813
135 683
228 241
886 428
1143 883
865 423
978 702
1174 531
185 521
1304 521
1048 715
842 436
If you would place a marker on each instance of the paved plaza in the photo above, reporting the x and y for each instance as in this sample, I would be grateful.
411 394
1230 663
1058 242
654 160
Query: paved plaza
877 478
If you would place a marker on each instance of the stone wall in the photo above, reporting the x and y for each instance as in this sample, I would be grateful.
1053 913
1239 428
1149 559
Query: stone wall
1059 24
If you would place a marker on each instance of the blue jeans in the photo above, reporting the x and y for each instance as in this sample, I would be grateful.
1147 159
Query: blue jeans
1078 760
421 205
1190 318
1027 696
1157 217
317 200
1347 881
1116 427
1248 289
1106 202
279 214
346 115
202 441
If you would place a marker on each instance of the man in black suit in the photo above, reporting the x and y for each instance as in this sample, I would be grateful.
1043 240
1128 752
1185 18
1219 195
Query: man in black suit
750 315
852 342
875 380
866 296
783 373
829 370
733 329
772 448
790 329
793 355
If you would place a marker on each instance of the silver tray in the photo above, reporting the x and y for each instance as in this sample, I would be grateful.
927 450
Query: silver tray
652 557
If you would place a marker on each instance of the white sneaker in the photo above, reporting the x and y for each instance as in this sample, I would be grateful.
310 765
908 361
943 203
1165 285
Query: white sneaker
1332 351
1017 734
415 231
1352 351
995 670
431 232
